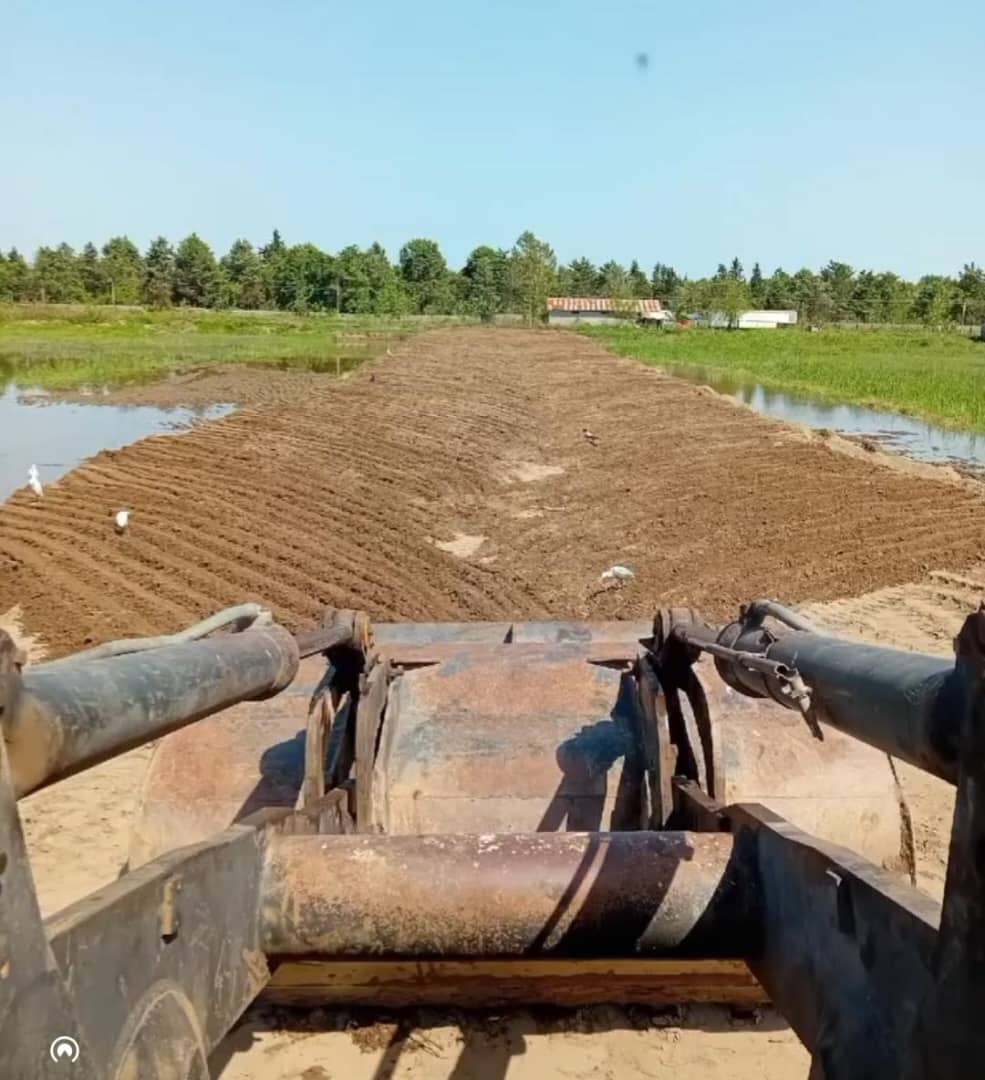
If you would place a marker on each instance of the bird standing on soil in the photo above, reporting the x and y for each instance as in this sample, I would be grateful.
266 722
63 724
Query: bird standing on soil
121 519
34 481
590 436
618 574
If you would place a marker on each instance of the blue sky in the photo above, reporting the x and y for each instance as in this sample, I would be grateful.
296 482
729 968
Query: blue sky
785 133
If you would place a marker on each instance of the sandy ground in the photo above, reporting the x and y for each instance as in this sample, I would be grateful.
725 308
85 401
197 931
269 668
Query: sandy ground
452 481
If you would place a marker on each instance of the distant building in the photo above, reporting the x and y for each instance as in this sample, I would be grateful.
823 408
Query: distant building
748 320
565 310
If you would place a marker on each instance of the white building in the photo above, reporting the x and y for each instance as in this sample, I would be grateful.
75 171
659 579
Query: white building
748 320
565 310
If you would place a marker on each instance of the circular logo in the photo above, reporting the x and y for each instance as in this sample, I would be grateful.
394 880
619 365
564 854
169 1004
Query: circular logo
64 1048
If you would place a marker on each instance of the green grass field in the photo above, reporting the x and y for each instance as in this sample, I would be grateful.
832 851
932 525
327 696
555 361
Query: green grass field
65 347
936 375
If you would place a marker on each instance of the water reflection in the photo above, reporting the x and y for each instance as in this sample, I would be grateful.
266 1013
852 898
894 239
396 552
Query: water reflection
57 435
919 438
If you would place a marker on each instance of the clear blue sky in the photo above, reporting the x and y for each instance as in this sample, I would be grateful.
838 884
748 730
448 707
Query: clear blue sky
790 133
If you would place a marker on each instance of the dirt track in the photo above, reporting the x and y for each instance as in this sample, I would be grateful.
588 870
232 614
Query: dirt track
338 493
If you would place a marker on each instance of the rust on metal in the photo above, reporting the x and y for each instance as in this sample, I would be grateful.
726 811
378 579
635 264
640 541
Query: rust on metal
512 738
696 810
79 715
835 789
421 654
660 757
567 894
339 628
321 715
369 718
203 778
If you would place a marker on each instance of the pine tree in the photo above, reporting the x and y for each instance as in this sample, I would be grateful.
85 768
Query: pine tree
158 281
93 275
20 277
246 280
638 283
124 270
195 273
757 286
58 274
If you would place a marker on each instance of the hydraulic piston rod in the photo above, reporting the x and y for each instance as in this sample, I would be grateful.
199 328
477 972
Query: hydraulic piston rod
905 703
64 718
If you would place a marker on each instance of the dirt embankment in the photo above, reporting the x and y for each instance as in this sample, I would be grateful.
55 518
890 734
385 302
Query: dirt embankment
349 492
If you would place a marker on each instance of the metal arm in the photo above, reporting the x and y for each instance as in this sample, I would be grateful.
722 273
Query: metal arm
906 704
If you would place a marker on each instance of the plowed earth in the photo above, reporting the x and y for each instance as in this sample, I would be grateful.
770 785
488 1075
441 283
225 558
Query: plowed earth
321 492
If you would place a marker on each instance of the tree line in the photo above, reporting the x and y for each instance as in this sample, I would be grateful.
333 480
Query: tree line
302 277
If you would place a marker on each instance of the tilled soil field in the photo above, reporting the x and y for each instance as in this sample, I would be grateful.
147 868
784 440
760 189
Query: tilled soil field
453 480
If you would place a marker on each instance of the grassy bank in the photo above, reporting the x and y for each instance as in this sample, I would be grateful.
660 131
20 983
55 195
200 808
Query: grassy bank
65 347
938 376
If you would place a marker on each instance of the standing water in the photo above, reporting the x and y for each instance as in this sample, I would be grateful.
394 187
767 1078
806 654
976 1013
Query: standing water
57 435
918 438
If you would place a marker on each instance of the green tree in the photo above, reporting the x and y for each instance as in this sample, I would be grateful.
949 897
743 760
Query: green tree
304 278
757 286
721 273
664 284
533 269
812 298
94 280
386 288
934 300
865 304
780 294
19 277
196 281
894 298
729 296
123 270
615 281
838 278
274 249
736 271
485 278
368 283
579 278
691 297
59 275
970 295
158 283
246 283
639 283
355 293
425 276
459 288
